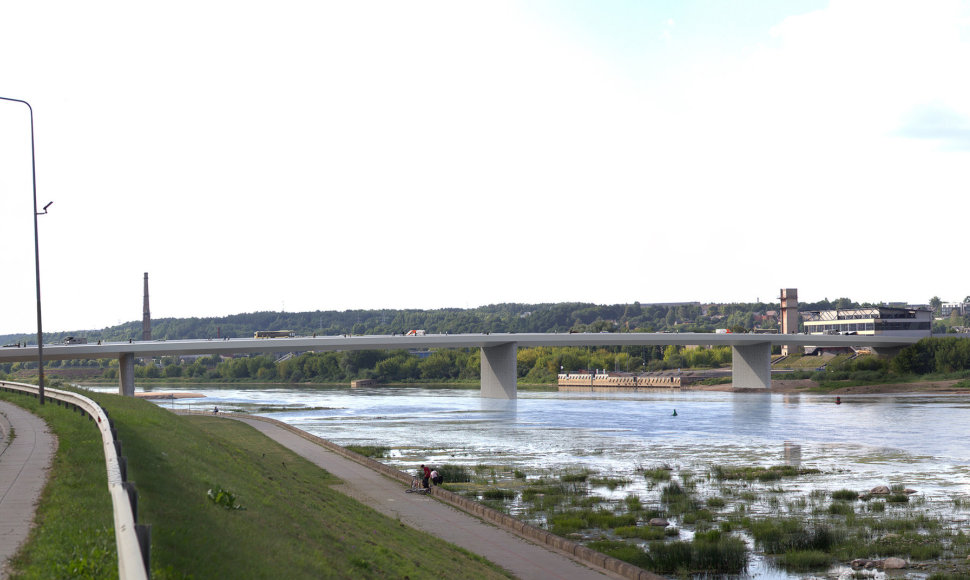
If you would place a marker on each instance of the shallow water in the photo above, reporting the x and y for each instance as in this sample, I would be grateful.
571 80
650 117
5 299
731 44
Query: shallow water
918 441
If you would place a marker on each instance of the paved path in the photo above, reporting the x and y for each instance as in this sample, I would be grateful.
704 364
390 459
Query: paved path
524 559
24 464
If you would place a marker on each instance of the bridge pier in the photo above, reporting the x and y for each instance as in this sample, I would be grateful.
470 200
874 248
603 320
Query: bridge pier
126 374
499 371
751 367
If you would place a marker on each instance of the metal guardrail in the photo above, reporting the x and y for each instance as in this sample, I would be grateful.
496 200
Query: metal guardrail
133 540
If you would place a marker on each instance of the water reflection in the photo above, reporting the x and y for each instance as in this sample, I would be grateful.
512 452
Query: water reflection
793 454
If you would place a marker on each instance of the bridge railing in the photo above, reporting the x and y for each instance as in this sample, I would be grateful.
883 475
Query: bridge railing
132 539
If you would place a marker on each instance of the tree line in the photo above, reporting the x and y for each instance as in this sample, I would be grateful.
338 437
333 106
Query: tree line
538 365
495 318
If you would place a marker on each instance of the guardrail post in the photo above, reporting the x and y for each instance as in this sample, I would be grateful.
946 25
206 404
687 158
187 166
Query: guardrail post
132 497
144 533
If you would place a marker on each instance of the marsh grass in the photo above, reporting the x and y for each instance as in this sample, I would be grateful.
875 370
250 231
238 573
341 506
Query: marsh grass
808 532
840 508
499 494
641 532
845 495
748 473
369 450
454 473
657 473
611 483
805 560
708 552
576 477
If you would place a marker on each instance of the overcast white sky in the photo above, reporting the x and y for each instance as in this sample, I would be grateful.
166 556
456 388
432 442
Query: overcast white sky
340 155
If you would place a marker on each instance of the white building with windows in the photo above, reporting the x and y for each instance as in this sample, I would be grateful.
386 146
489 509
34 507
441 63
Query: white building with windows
871 321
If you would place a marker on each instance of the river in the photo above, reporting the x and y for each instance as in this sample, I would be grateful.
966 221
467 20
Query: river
916 440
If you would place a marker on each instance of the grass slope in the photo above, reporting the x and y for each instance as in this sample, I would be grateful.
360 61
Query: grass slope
291 525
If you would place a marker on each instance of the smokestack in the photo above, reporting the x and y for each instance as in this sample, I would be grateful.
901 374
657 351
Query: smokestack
146 320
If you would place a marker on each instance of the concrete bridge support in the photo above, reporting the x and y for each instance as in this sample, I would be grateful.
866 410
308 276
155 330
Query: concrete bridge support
499 371
126 375
751 368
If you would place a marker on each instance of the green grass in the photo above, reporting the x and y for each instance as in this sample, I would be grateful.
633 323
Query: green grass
291 519
74 536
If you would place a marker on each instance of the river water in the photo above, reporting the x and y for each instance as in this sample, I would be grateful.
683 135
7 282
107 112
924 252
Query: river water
919 441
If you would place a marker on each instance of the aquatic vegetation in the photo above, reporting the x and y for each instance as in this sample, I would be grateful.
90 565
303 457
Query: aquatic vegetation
748 473
369 450
657 473
710 551
805 560
845 494
454 473
641 532
575 477
805 533
611 483
840 508
499 494
715 502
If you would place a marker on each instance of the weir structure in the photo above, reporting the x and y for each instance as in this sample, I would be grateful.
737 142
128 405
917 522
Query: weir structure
751 352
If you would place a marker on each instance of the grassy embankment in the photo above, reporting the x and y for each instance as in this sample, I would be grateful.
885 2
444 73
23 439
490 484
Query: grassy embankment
290 523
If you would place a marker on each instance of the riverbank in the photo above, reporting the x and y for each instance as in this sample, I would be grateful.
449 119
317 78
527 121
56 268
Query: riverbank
808 385
219 497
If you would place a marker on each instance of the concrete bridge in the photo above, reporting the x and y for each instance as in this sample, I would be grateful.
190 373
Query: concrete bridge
751 352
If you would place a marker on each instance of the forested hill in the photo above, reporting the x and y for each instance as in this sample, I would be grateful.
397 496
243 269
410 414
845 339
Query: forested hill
560 317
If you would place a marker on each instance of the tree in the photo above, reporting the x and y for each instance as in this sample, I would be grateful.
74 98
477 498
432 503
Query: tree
936 304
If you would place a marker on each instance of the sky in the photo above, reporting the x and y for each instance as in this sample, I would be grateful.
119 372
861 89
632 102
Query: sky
325 155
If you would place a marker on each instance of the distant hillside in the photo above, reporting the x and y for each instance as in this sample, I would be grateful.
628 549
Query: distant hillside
560 317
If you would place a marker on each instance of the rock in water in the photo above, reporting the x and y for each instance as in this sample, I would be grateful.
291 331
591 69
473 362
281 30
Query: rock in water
893 564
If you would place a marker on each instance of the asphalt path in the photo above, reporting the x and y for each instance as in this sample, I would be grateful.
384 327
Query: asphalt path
25 460
522 558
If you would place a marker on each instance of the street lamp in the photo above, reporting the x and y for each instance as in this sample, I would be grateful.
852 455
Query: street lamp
40 329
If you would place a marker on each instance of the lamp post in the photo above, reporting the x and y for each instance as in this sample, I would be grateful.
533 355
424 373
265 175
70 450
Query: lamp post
40 329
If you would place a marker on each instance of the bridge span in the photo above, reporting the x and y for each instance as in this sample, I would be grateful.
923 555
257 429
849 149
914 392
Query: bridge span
751 352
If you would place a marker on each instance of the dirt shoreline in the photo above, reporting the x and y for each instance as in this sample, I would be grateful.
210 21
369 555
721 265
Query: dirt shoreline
806 385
